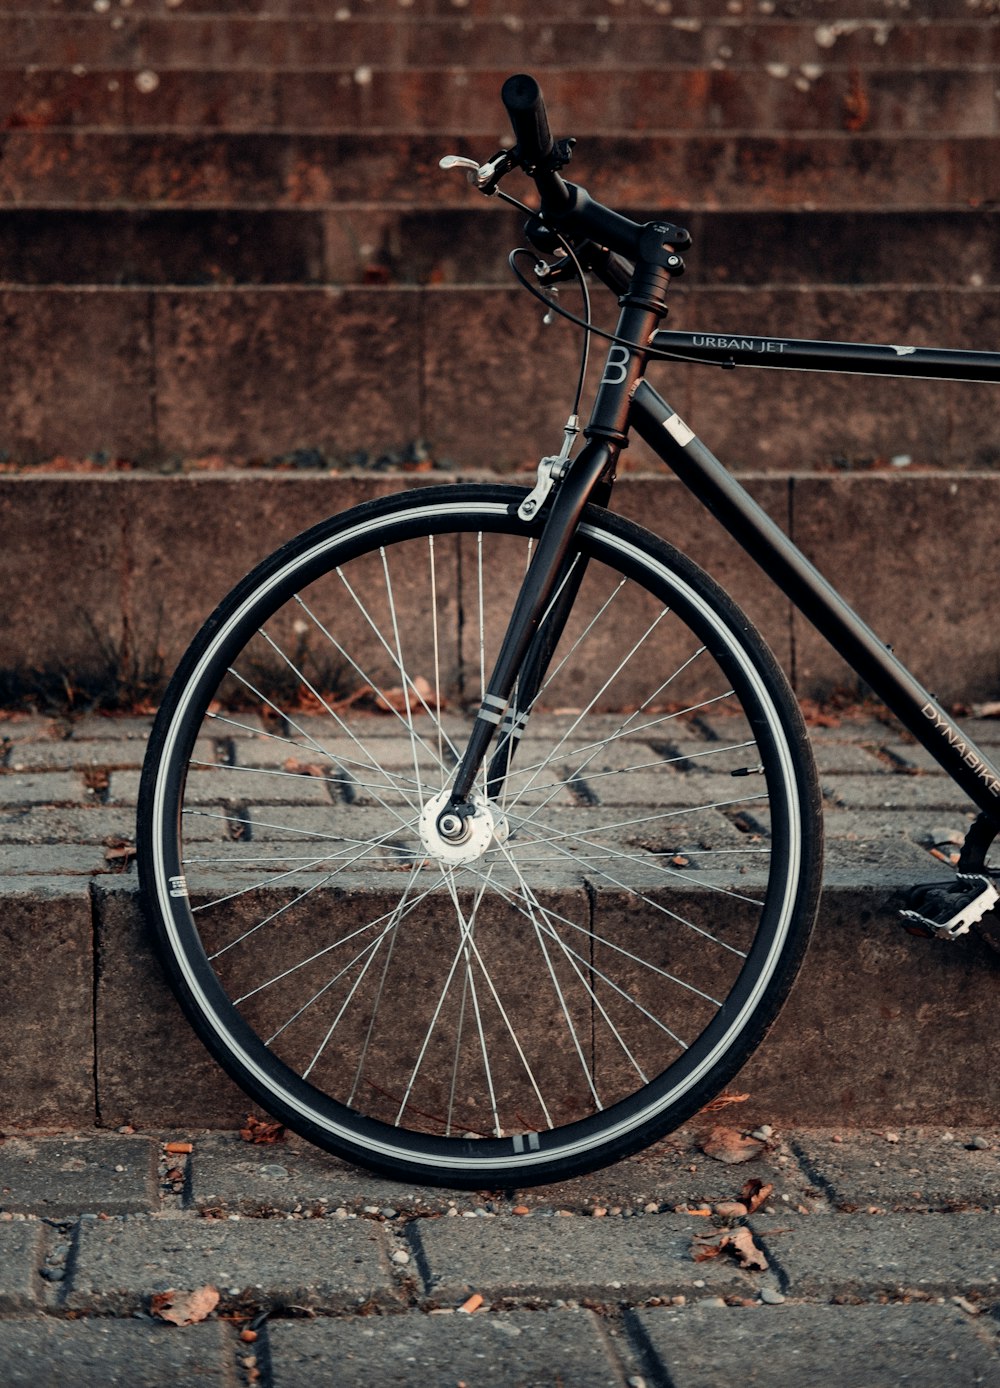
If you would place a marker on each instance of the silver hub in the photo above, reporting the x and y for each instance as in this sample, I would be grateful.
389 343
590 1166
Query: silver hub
457 839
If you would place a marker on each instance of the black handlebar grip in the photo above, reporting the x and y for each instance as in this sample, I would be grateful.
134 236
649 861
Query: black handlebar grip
522 97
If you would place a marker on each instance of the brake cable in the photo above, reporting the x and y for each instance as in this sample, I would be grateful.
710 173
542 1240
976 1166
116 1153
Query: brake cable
590 328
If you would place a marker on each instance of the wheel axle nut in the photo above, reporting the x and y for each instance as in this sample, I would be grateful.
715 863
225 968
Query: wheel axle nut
453 827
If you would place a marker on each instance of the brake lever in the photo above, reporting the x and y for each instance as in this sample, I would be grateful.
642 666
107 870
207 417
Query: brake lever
486 177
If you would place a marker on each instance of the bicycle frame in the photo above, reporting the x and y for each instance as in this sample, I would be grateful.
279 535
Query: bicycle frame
702 473
625 401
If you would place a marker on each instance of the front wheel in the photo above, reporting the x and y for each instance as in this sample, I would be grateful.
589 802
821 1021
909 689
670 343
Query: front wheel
616 941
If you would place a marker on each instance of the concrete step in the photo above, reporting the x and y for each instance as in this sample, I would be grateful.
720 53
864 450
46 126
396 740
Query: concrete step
343 377
659 101
469 245
833 12
513 40
279 170
90 1034
109 577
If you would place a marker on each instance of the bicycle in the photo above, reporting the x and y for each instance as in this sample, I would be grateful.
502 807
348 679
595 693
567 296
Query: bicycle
479 831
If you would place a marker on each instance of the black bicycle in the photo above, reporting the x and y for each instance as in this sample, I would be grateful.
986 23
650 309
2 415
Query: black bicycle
479 830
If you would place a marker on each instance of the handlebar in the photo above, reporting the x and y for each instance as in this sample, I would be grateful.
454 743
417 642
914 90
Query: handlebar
607 238
522 97
565 206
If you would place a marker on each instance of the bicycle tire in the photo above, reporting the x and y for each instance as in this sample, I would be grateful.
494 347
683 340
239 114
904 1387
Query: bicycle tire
623 941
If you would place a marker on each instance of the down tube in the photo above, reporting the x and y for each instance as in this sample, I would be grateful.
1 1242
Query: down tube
765 542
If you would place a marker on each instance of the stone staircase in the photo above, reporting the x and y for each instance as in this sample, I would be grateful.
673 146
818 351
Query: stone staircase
225 241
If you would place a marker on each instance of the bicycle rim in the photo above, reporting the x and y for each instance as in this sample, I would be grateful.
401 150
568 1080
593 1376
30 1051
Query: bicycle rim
611 954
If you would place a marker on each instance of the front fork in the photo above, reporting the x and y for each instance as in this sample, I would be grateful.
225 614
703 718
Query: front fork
534 628
552 578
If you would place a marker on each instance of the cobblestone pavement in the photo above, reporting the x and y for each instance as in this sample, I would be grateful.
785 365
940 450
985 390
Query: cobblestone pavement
68 791
874 1259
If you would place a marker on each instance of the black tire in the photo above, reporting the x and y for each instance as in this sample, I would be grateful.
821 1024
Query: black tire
626 933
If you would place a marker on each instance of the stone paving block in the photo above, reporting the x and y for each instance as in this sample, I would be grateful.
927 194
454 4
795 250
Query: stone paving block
46 1004
919 793
20 1256
61 1176
892 826
505 1350
41 788
868 1256
328 1265
103 1353
794 1346
918 1170
547 1258
54 825
51 859
675 1174
893 863
840 758
81 754
231 1175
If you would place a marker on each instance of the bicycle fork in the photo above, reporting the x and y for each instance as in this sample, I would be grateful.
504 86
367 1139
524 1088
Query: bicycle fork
543 605
549 588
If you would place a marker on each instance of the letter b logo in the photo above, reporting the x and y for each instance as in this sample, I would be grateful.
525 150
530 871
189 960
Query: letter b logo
617 368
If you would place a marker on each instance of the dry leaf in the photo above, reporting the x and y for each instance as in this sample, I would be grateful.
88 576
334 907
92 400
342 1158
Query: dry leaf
419 693
754 1193
727 1145
118 852
305 768
750 1256
259 1131
737 1242
184 1308
988 710
724 1101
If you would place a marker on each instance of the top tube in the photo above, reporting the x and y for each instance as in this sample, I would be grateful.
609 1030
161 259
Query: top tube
854 358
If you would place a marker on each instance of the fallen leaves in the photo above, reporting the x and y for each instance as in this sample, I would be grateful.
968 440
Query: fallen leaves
306 768
118 853
260 1132
738 1243
184 1308
728 1145
756 1193
417 696
722 1101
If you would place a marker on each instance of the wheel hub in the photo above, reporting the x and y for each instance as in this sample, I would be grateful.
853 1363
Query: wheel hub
456 839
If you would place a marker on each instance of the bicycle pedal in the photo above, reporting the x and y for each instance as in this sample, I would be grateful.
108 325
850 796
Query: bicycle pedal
934 914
